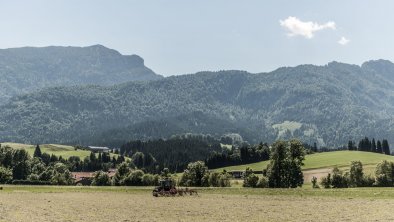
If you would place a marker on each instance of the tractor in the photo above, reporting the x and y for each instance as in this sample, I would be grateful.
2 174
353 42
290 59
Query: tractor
167 188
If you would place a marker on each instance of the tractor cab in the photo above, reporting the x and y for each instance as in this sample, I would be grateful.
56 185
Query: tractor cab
165 184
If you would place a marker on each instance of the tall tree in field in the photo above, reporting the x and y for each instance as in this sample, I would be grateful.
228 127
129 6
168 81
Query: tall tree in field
277 166
379 148
284 169
296 157
385 147
37 152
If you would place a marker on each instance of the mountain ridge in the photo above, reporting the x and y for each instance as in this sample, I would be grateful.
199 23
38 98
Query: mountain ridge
327 104
26 69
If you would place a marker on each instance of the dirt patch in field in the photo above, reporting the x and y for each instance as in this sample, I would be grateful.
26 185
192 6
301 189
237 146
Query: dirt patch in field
318 173
109 206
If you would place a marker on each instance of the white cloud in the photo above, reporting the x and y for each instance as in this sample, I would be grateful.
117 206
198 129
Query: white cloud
305 29
343 41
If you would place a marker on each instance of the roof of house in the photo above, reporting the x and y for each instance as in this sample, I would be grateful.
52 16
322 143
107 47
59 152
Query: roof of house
98 147
80 175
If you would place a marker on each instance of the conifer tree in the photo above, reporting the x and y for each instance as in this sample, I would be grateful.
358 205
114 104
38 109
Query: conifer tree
350 145
379 147
315 147
373 148
37 152
385 147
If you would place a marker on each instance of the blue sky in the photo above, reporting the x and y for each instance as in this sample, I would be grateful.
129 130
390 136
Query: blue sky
185 36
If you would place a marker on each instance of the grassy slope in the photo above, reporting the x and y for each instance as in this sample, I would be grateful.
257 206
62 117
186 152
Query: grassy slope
326 160
58 150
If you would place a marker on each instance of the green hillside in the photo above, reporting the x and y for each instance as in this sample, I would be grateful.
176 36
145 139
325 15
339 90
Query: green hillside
328 105
56 149
326 160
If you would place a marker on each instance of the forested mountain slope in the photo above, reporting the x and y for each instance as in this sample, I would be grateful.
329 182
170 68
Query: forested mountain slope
28 69
325 104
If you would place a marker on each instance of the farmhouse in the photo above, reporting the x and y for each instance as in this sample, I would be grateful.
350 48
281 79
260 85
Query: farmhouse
85 178
98 148
239 173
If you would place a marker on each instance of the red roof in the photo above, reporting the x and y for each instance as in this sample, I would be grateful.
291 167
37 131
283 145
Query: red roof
79 175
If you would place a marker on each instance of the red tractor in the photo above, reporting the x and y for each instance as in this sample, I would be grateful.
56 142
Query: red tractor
167 188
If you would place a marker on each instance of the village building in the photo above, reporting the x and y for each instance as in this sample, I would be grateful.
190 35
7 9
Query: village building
99 148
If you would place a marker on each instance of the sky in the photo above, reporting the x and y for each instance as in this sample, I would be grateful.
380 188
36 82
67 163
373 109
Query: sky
186 36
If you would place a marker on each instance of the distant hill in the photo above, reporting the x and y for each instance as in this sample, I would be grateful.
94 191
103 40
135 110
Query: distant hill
28 69
325 104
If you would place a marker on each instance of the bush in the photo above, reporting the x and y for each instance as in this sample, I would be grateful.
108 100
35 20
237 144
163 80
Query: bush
101 179
384 174
61 175
134 178
224 179
250 179
314 182
148 180
217 179
33 177
122 172
338 179
214 179
368 181
5 175
326 181
196 174
262 182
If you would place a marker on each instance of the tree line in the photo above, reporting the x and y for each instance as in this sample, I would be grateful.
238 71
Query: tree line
174 153
368 145
237 156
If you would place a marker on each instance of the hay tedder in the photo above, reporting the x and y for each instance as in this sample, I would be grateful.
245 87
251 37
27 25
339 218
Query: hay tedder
167 188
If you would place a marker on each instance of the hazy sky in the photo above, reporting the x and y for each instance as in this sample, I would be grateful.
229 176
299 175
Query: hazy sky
182 36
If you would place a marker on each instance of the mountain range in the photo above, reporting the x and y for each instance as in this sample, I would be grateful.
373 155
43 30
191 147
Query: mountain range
104 98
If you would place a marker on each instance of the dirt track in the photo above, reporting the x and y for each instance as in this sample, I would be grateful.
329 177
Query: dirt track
109 206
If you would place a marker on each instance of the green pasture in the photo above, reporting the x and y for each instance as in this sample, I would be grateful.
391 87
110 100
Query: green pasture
339 159
59 150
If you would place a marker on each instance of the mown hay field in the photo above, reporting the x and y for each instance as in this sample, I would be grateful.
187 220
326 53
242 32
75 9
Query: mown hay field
325 160
23 203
